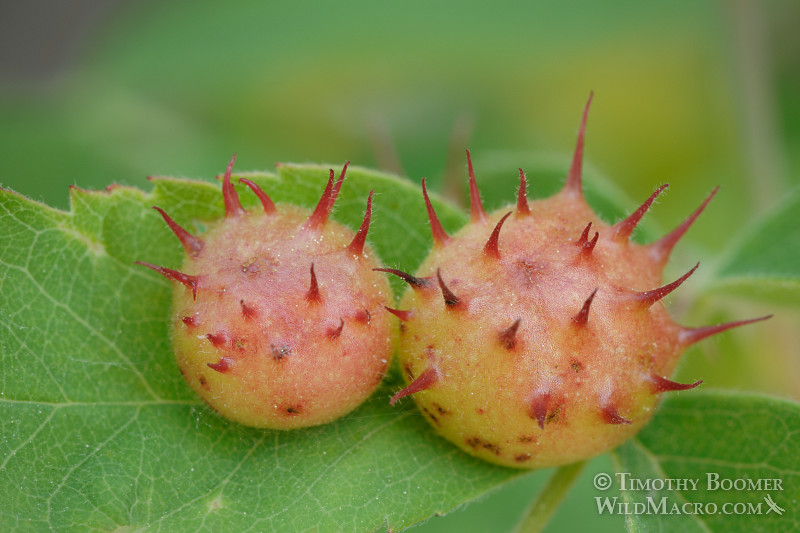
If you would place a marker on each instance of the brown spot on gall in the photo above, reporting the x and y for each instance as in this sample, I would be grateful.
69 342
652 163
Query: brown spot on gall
553 417
477 442
294 410
279 351
431 416
409 371
250 266
529 270
494 448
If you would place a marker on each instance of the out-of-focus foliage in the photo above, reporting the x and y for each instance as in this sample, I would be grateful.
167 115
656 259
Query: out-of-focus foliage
174 88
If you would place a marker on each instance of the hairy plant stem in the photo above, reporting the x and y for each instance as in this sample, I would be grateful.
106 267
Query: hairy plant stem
542 508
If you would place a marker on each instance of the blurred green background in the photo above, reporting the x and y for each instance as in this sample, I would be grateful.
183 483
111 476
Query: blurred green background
691 93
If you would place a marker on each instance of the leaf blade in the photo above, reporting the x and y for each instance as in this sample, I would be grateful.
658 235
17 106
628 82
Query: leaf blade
765 262
752 439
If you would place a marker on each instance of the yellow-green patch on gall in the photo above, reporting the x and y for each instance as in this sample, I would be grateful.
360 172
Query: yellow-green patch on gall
535 336
278 315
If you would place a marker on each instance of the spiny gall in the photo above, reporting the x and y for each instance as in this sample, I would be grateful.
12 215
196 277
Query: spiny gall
536 335
278 315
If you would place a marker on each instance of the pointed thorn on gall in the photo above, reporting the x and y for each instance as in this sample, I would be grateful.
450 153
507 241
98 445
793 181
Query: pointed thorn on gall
313 294
661 249
266 201
233 207
476 211
450 299
689 336
584 238
623 230
338 186
326 202
583 315
589 246
319 216
508 337
661 384
193 245
440 237
216 339
424 381
539 405
417 283
356 247
405 316
612 416
247 311
585 244
522 196
648 298
190 282
223 365
574 186
491 249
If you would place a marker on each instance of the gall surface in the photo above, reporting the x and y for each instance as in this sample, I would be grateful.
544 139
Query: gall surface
535 336
278 315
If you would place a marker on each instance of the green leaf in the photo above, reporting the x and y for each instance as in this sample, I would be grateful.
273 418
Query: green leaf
765 262
738 437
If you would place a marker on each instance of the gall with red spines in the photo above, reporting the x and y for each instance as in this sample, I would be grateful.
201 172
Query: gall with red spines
541 330
269 311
